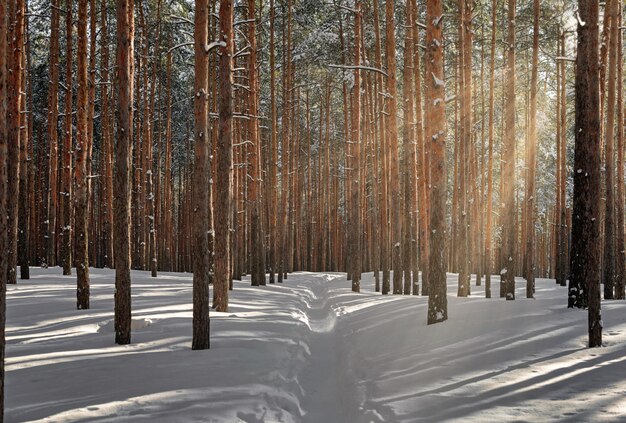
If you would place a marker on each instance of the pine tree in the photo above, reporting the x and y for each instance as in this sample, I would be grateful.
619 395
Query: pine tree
121 200
15 45
53 116
392 129
608 263
202 171
106 165
408 156
81 152
620 258
3 192
254 188
66 150
532 162
436 136
584 288
355 159
224 160
508 169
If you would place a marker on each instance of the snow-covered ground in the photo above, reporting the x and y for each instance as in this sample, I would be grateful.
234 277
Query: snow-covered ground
308 350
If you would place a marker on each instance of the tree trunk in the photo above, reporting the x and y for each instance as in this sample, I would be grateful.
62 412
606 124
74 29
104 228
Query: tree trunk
508 168
392 130
202 171
620 259
436 133
14 79
224 175
254 188
53 116
81 156
408 136
23 230
465 158
107 145
169 261
355 165
531 161
563 232
609 156
121 200
66 152
3 191
273 180
423 170
584 289
489 199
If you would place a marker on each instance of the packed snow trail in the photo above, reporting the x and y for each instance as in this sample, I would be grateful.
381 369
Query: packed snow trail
307 350
323 377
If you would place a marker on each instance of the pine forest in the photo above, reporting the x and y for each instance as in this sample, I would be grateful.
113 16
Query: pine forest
312 211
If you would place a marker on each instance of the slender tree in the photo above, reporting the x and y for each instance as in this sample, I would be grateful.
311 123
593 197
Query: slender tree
531 162
66 151
584 285
408 158
3 192
508 169
273 189
436 136
25 125
224 172
422 158
465 143
81 152
15 45
563 231
201 186
392 130
608 262
355 173
53 116
489 199
620 258
107 145
254 188
121 200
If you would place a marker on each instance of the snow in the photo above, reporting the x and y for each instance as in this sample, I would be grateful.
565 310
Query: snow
308 350
438 82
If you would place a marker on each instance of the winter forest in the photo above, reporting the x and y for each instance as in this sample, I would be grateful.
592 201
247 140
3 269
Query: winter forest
312 211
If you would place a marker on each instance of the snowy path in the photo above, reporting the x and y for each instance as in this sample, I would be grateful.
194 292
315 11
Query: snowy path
324 384
307 350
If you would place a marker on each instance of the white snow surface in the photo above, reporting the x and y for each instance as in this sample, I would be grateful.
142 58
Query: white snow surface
308 350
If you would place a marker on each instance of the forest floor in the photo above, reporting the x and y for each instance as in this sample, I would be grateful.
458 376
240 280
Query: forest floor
308 350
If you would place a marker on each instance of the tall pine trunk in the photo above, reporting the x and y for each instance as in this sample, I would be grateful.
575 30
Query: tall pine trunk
355 162
257 268
436 136
584 288
53 116
81 156
531 161
201 186
66 151
3 192
392 130
508 168
121 199
224 175
609 156
14 98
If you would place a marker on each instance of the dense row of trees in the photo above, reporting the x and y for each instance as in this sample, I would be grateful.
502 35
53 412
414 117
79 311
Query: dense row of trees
325 136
